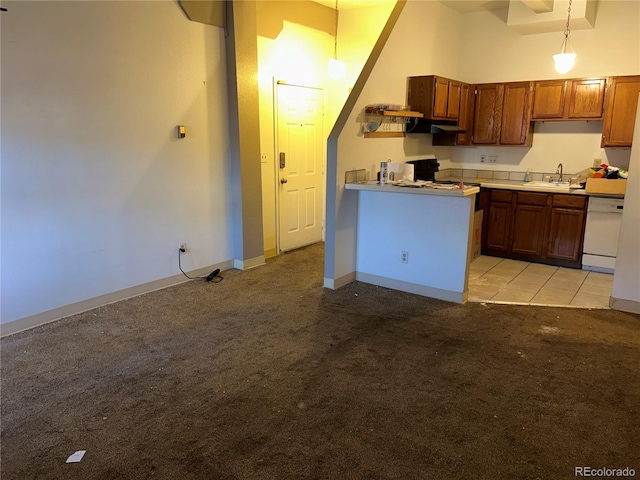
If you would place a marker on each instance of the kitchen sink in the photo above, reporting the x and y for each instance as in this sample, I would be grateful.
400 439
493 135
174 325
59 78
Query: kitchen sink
553 185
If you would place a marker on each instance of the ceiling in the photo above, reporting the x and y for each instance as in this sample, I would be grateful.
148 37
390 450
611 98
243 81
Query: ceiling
462 6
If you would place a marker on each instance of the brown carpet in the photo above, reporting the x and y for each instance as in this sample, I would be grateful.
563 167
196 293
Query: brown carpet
267 375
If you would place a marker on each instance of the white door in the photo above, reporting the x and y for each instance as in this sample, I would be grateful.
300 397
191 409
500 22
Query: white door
299 163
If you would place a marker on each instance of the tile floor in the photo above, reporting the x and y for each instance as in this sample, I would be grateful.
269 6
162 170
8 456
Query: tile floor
501 280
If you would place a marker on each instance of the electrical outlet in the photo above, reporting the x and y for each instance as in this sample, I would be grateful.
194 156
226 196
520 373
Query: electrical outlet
182 248
493 159
597 162
483 158
405 257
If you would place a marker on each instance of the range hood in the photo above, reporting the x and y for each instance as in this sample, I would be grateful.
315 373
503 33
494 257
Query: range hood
423 125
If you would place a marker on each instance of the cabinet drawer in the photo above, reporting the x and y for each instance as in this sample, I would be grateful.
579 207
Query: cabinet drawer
501 196
569 201
528 198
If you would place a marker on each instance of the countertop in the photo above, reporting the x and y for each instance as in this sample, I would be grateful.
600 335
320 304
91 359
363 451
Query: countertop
528 187
441 190
454 191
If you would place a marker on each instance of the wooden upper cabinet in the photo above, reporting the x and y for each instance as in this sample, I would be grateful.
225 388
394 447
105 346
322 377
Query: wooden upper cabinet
573 99
516 127
453 100
620 111
548 99
465 115
502 114
488 99
586 99
438 98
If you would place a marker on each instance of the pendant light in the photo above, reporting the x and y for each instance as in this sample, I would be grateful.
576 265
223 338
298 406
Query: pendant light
337 69
564 60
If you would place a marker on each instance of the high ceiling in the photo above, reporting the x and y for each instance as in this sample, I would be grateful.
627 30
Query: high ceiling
462 6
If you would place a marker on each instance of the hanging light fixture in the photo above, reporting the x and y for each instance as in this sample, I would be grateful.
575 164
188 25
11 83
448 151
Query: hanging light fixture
564 60
337 69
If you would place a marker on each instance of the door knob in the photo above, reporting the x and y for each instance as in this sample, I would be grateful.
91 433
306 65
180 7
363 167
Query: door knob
283 181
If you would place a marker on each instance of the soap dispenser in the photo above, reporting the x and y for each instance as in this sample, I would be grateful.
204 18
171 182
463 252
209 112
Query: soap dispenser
526 176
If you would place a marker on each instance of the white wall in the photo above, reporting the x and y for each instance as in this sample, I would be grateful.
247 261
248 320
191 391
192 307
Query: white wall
625 294
493 52
97 191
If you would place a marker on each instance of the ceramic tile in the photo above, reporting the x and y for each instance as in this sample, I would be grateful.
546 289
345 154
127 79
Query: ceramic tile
466 173
484 262
493 279
496 281
536 177
539 269
586 300
482 292
508 268
501 175
516 296
486 174
518 176
599 279
456 172
552 296
518 284
594 290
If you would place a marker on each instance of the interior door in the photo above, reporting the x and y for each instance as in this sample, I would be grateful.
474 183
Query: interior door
300 163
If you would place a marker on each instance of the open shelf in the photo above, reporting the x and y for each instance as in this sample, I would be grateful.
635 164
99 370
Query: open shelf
383 134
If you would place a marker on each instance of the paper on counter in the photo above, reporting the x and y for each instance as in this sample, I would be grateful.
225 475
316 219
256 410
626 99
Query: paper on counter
76 457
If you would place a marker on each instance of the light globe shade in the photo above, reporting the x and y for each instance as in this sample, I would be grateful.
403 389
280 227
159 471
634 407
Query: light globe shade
564 62
337 69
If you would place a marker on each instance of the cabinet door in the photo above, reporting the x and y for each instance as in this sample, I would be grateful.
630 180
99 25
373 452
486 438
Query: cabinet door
620 111
453 102
498 237
420 94
465 114
565 235
515 121
440 97
488 98
528 230
548 99
586 99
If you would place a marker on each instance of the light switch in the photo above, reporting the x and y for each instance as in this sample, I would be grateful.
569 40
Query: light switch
181 131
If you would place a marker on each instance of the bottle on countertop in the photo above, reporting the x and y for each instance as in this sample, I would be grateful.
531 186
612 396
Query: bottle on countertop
383 173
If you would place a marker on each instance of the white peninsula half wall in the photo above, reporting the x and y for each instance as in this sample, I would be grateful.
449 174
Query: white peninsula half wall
415 240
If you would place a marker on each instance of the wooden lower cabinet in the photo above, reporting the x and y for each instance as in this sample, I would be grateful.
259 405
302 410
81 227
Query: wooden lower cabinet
529 225
535 227
566 232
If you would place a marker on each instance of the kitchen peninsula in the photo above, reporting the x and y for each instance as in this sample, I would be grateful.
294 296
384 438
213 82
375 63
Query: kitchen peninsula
416 240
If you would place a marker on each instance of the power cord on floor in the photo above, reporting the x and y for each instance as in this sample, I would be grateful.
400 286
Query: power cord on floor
212 277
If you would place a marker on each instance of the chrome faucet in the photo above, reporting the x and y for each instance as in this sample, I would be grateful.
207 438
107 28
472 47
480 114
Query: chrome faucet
559 170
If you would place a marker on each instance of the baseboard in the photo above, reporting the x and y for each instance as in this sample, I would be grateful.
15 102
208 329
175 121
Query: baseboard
624 305
424 290
270 253
250 263
336 283
32 321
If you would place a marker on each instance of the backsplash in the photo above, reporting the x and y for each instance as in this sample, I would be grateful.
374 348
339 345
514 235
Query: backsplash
498 175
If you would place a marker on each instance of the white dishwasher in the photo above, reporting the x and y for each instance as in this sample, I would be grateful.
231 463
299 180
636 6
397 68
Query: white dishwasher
601 233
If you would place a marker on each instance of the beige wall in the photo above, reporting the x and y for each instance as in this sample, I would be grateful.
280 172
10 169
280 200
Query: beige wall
97 190
299 55
493 52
